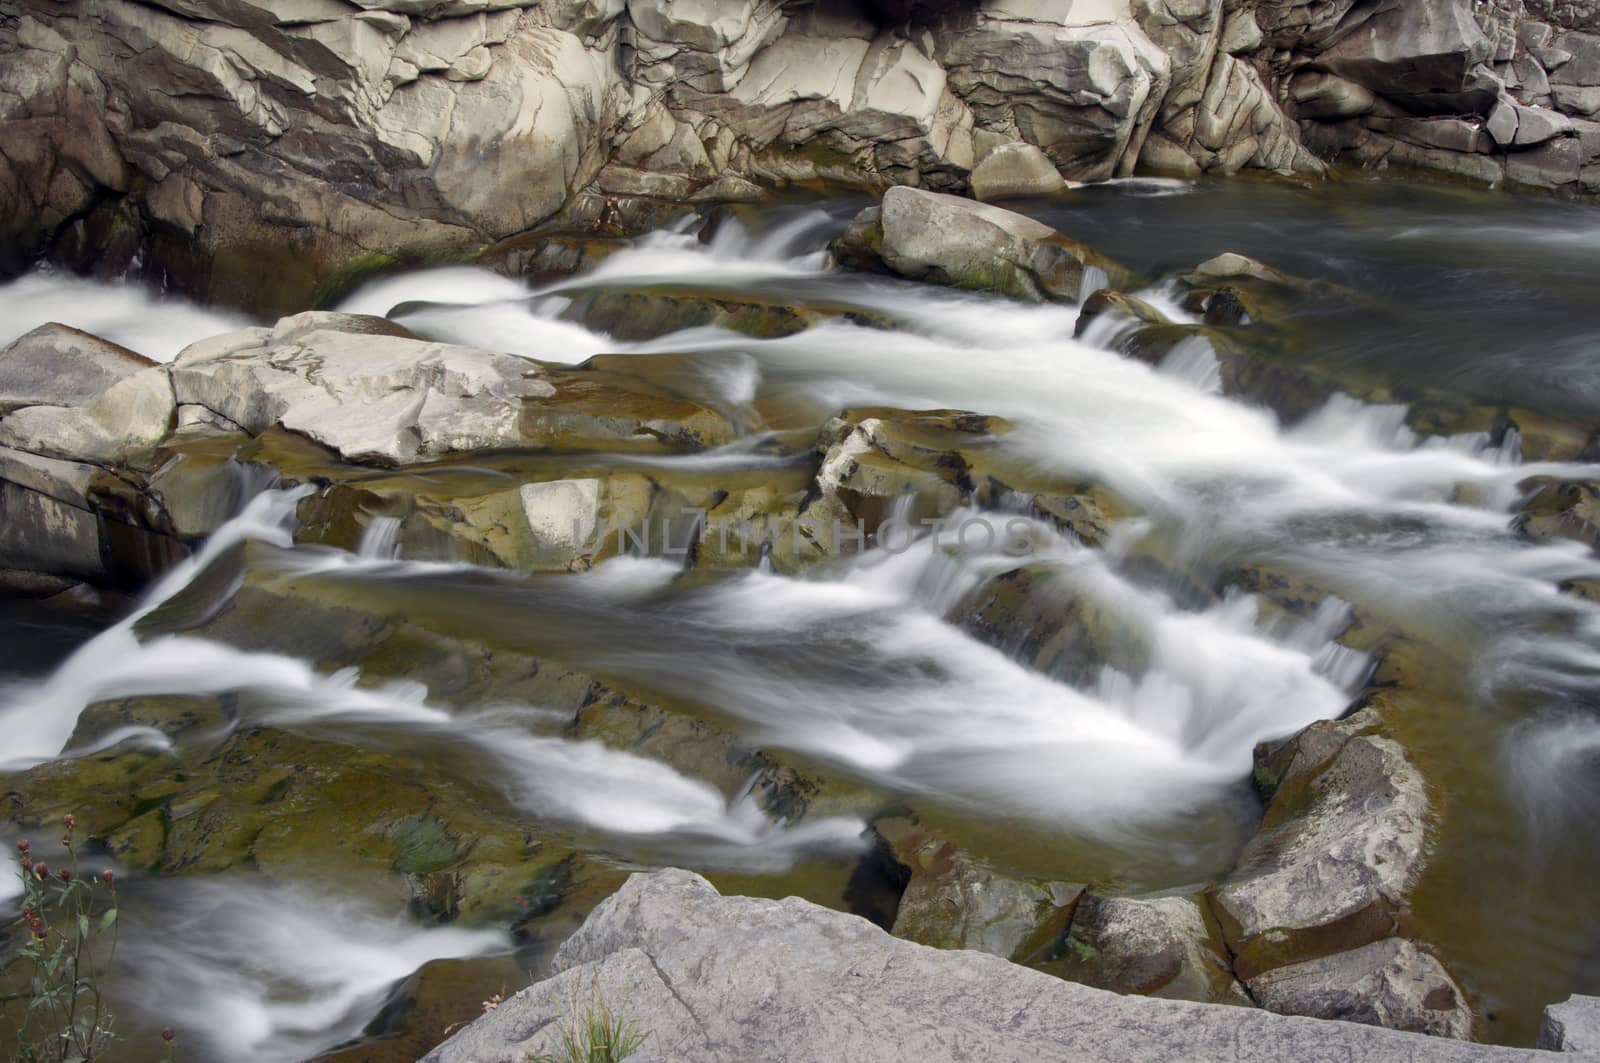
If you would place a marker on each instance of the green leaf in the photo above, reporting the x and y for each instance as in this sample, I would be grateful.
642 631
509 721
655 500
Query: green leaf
83 925
108 919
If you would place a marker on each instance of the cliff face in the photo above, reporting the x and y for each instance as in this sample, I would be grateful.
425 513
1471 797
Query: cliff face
229 137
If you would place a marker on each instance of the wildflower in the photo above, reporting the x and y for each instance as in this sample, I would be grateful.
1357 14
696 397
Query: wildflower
27 863
22 845
108 877
41 869
70 820
167 1034
66 874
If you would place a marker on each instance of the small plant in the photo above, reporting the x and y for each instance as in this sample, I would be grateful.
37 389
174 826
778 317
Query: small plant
599 1036
68 918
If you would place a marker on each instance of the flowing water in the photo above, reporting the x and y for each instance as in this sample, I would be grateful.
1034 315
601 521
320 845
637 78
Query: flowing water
1132 773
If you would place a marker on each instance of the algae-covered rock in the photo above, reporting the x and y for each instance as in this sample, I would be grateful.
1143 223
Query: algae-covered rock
944 239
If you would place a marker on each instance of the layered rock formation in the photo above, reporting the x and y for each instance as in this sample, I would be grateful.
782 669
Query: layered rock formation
267 153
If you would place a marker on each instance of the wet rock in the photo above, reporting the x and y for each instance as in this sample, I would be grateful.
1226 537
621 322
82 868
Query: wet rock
639 315
1159 946
1561 509
1015 170
945 240
953 901
1571 1026
1389 983
59 366
1329 869
695 971
1108 301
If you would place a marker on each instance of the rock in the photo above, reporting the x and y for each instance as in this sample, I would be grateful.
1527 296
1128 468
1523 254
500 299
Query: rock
710 978
954 902
1014 170
1389 983
1339 847
134 413
1348 813
946 240
1079 81
1325 96
370 392
1423 55
1571 1026
59 366
1160 946
1240 33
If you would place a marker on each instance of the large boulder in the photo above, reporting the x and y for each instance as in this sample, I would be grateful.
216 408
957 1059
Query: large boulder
947 240
134 413
1339 846
714 978
371 392
1311 910
1013 170
54 365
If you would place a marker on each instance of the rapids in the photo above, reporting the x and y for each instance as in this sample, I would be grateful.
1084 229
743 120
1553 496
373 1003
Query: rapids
1135 776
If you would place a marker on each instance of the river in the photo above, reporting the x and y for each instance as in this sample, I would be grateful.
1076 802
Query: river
1132 773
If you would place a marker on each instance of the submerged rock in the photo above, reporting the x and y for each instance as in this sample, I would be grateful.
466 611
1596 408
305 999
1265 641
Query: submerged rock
947 240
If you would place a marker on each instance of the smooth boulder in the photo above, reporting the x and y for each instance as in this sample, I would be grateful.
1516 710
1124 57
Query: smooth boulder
944 239
54 365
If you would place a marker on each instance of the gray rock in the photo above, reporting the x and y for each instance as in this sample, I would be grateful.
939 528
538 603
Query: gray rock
948 240
372 392
711 979
1572 1026
1389 983
1328 97
1156 946
1015 170
134 413
954 902
59 366
1422 54
1338 848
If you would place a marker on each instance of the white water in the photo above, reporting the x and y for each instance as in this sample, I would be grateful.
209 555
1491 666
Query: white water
256 972
126 314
